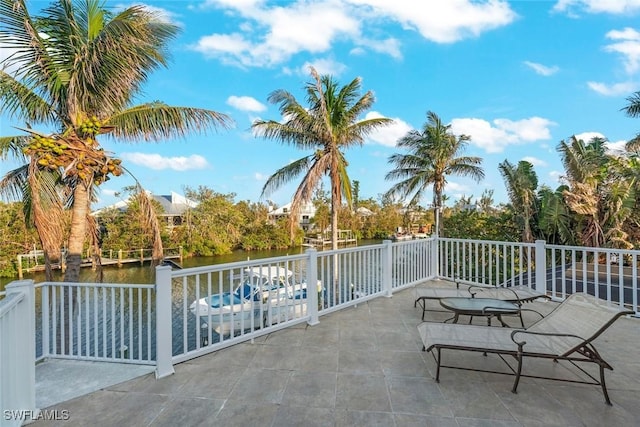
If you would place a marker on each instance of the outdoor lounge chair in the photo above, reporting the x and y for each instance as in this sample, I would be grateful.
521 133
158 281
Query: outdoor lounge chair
567 333
518 294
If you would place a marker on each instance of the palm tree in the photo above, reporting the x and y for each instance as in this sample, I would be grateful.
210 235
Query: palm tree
585 168
434 154
79 67
327 127
555 222
521 182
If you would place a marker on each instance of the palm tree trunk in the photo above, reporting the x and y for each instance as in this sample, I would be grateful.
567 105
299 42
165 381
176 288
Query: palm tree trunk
78 231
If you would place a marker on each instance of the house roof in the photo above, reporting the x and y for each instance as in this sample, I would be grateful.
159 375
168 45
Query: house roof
172 204
307 209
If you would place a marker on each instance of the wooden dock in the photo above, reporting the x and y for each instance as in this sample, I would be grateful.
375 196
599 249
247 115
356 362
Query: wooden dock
34 260
345 238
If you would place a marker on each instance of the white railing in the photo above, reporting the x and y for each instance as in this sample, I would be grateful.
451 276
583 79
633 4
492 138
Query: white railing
17 354
487 262
609 274
201 329
97 321
412 262
156 324
334 279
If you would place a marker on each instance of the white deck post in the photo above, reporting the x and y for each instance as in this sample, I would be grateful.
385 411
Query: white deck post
434 271
387 266
312 286
164 332
541 266
23 388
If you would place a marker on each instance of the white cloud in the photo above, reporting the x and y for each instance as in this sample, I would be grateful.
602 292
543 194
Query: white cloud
443 21
588 136
616 147
388 135
323 66
162 14
108 192
260 176
597 6
390 46
557 176
543 70
615 89
627 43
456 188
281 31
246 103
494 137
158 162
535 161
272 34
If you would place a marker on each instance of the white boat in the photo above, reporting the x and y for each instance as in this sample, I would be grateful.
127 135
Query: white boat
265 296
397 237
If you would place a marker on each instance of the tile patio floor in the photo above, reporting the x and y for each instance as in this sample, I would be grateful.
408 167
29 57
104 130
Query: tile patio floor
364 366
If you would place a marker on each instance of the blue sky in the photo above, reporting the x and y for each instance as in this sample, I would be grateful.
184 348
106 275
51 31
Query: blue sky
517 77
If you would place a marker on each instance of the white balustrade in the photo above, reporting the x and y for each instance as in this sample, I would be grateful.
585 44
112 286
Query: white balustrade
17 352
163 324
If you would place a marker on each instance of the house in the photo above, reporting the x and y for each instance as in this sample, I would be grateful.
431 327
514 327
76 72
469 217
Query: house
307 213
173 208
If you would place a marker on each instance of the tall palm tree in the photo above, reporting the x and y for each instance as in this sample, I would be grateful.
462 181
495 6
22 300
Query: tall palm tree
79 67
434 153
585 168
521 182
328 126
555 221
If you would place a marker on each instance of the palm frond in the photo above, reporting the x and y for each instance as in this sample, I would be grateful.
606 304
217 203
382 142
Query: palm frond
156 121
47 210
14 184
286 174
19 101
150 218
632 108
11 146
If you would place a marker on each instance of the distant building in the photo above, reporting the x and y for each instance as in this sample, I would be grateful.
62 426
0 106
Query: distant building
173 208
307 213
363 212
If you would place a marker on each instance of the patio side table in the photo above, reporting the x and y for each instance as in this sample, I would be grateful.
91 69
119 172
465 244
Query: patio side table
487 307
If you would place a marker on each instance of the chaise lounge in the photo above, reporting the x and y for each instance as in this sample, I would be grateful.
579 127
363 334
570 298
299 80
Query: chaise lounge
518 294
567 333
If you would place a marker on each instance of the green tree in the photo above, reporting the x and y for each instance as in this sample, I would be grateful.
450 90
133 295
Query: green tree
433 154
356 193
80 67
327 127
15 237
555 221
216 224
584 168
521 182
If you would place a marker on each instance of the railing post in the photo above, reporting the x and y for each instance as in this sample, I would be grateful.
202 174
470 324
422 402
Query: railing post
541 266
387 267
24 393
164 332
45 291
20 267
435 257
312 286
